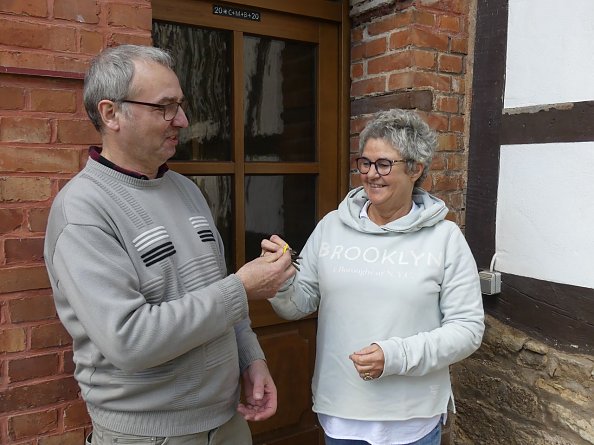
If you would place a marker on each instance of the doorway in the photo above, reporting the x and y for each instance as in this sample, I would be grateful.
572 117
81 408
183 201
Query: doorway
267 145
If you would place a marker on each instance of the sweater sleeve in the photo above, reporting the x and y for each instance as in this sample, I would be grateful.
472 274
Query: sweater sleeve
96 292
462 325
247 344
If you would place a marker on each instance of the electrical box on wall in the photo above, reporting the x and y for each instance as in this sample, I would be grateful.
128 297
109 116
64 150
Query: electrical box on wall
490 282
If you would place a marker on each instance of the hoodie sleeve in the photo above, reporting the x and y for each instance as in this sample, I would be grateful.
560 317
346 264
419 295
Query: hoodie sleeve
462 325
300 296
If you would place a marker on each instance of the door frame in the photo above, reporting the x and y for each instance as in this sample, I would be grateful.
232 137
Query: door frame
289 20
330 29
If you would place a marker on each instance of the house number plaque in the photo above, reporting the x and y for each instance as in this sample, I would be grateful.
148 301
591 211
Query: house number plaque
238 13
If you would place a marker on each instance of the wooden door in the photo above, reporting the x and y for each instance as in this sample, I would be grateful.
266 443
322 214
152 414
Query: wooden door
266 146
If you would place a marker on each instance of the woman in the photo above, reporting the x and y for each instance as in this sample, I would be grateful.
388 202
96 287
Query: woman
397 291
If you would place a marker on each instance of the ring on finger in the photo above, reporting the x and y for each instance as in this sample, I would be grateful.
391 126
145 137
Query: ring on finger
367 376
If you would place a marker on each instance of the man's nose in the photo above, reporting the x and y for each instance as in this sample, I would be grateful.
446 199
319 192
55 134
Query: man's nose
180 119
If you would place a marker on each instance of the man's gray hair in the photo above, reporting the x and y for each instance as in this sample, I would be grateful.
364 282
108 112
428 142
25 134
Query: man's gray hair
407 133
111 72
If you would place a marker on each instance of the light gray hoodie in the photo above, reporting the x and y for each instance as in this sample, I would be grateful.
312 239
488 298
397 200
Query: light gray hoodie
410 286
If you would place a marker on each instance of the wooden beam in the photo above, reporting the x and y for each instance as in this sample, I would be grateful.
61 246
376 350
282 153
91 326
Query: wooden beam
485 125
573 122
560 315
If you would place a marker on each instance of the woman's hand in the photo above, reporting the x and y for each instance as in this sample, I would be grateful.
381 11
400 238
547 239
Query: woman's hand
277 244
272 245
369 362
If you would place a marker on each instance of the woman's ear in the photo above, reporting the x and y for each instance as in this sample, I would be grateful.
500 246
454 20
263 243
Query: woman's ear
416 171
109 114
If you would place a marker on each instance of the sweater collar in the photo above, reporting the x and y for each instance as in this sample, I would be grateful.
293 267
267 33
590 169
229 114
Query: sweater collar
95 154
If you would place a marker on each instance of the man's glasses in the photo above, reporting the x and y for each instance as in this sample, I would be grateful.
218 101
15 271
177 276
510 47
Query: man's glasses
382 166
169 110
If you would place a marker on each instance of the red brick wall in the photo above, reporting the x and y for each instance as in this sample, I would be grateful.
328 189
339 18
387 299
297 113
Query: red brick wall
410 54
45 47
413 54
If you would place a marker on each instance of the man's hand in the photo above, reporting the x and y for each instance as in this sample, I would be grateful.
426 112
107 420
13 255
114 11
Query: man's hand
259 391
264 276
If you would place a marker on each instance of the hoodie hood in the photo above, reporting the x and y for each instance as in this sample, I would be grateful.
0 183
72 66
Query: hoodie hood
431 211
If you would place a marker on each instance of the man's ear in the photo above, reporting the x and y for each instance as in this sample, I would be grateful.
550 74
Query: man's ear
110 114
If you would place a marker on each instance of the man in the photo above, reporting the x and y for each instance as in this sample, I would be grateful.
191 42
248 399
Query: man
160 333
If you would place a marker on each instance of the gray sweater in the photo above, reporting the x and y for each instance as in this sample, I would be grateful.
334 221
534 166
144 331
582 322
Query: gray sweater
160 333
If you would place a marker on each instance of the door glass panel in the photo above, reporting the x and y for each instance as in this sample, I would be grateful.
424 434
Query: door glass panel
202 60
218 192
278 204
279 100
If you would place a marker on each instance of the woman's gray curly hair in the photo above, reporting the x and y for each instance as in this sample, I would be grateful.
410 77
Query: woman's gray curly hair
407 133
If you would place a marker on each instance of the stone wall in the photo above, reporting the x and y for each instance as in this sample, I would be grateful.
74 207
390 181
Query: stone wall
516 390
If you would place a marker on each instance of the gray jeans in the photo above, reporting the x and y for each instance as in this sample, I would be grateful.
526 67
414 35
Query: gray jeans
235 432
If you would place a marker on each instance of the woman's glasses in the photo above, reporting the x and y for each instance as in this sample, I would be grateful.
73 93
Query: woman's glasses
383 167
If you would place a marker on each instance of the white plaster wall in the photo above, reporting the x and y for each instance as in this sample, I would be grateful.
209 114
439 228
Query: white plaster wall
545 212
545 207
550 52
